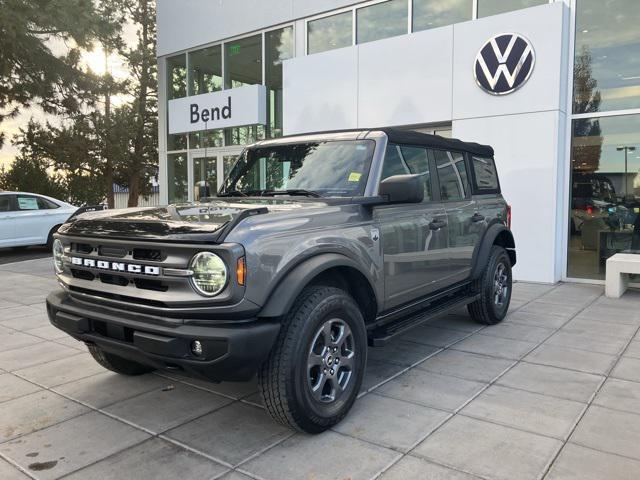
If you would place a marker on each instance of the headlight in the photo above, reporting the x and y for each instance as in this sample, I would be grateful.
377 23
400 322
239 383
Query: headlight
209 273
58 255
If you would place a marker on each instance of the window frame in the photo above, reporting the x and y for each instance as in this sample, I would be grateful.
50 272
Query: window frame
409 11
188 148
28 195
468 191
332 13
474 182
435 194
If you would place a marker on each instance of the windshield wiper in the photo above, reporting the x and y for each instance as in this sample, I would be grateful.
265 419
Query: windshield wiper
292 192
233 193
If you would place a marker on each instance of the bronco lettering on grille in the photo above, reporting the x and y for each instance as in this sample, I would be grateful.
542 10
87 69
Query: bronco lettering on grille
116 266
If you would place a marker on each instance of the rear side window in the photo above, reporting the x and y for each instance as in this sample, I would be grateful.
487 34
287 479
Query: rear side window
485 175
452 175
27 203
44 204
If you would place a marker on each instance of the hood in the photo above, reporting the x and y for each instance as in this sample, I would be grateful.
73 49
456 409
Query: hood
194 222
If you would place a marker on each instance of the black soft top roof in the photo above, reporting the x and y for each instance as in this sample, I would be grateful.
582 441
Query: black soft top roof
411 137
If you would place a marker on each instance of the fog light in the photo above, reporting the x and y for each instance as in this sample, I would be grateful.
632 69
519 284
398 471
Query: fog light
196 348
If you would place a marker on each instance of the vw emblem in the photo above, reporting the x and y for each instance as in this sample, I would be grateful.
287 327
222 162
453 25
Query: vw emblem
504 64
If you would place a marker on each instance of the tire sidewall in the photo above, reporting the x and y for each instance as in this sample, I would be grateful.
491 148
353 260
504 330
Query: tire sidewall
500 256
333 306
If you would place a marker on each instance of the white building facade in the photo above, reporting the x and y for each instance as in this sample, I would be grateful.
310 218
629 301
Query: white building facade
554 87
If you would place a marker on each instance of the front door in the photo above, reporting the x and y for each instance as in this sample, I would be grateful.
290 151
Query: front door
7 220
413 236
207 170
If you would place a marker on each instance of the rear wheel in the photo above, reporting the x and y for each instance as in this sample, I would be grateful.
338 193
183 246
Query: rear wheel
118 364
314 372
494 287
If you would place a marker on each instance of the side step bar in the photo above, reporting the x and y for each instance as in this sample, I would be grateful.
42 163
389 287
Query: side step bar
383 334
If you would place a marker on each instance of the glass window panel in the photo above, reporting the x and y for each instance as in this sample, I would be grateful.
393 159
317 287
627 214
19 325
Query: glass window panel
417 160
494 7
607 56
208 139
486 177
452 175
605 193
244 135
205 70
205 177
278 47
393 163
177 77
228 161
243 60
331 32
178 177
437 13
381 20
176 142
6 203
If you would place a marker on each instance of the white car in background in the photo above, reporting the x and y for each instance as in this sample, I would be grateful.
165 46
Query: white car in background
30 219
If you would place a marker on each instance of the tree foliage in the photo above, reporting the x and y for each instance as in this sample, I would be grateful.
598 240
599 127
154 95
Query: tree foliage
30 71
97 144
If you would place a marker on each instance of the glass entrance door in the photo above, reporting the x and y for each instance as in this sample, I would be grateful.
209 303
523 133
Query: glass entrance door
205 177
207 170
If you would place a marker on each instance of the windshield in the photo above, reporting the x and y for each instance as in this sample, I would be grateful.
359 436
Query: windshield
327 168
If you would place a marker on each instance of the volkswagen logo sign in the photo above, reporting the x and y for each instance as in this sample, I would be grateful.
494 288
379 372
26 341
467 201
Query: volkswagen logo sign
504 64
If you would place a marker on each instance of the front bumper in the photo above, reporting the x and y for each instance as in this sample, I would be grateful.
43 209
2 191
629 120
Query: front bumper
232 351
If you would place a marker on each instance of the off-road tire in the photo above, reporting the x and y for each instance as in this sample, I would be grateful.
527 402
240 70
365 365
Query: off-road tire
284 379
118 364
485 310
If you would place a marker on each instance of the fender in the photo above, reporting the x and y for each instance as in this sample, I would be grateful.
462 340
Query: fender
281 298
482 251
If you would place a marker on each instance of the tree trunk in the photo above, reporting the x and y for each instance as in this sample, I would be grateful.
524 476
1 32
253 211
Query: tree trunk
141 115
108 167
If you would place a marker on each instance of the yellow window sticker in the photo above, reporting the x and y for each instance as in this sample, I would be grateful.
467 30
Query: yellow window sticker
355 177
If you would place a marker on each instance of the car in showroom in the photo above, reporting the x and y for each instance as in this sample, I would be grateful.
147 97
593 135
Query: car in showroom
30 219
316 246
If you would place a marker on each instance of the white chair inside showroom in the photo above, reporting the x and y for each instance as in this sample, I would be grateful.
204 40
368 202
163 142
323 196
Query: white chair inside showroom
619 267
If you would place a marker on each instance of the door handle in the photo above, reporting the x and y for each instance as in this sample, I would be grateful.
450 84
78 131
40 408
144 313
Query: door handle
437 224
477 217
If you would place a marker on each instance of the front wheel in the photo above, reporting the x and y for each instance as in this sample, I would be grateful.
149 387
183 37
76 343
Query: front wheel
314 371
494 287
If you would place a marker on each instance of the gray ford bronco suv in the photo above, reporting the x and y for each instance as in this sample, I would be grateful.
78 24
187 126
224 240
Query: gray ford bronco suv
316 246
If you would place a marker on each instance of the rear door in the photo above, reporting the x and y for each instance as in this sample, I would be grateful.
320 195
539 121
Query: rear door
466 222
34 219
7 220
486 189
413 236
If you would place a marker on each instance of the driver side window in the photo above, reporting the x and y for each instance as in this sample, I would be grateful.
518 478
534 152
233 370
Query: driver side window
403 160
393 163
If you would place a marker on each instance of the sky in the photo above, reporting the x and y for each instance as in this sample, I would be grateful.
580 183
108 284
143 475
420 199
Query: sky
94 60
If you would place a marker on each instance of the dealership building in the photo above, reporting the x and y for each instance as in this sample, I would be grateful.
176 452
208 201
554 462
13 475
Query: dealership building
553 86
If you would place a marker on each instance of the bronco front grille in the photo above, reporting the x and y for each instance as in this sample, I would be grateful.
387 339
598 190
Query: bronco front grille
123 271
144 275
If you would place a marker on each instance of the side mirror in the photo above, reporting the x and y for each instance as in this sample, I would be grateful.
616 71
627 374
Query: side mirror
402 188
